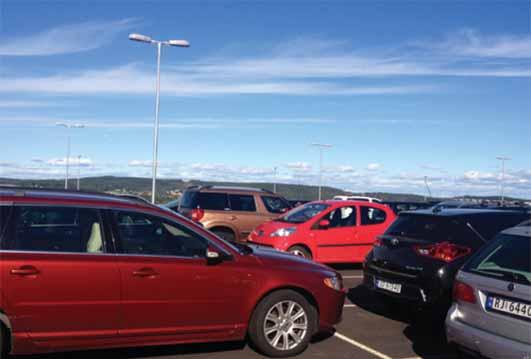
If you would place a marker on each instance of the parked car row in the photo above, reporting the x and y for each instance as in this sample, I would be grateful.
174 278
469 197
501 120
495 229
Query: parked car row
87 270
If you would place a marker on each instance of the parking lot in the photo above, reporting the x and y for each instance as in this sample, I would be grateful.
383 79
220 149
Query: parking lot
369 330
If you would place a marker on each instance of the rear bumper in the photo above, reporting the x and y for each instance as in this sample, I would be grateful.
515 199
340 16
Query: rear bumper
412 289
481 342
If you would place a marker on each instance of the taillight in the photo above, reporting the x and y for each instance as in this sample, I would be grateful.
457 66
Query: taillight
378 242
445 251
197 214
463 292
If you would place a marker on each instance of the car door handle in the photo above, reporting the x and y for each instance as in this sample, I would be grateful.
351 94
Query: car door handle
25 270
233 218
145 272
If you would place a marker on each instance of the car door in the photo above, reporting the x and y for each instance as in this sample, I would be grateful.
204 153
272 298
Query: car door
61 283
373 222
336 242
169 292
244 214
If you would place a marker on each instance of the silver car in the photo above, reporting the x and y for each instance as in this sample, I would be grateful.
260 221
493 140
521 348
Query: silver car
491 313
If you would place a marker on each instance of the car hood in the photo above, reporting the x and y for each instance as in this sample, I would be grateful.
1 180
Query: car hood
272 257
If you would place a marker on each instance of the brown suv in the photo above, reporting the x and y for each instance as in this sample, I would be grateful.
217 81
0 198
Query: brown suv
231 212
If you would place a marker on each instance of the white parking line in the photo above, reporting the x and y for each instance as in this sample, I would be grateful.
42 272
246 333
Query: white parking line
350 306
361 346
352 276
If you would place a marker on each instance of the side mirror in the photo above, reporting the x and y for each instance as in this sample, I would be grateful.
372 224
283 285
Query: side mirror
324 224
213 257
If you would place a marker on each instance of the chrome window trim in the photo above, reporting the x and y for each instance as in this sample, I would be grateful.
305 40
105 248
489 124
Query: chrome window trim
98 254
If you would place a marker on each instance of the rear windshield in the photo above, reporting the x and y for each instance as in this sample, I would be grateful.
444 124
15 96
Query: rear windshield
432 229
204 200
508 257
304 213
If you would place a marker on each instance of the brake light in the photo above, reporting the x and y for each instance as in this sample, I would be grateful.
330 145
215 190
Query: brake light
197 214
378 242
445 251
463 292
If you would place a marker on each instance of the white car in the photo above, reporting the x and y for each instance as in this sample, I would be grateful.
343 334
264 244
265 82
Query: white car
357 198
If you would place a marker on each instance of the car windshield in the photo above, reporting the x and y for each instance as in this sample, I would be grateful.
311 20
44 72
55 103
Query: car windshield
507 258
304 213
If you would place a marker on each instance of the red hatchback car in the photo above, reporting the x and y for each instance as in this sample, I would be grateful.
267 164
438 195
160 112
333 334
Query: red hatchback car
81 271
327 231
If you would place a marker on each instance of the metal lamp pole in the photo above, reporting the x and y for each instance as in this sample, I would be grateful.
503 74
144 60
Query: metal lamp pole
149 40
275 181
78 170
68 126
321 147
502 180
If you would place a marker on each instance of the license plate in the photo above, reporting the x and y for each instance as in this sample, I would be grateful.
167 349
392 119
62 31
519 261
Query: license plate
509 306
388 286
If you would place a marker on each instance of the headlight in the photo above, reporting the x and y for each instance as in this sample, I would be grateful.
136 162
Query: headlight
335 283
283 232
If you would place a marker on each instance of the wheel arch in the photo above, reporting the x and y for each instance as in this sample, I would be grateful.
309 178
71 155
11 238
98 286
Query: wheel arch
224 227
5 323
303 245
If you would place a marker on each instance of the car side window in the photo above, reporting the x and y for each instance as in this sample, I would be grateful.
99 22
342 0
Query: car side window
372 215
275 204
212 201
145 234
56 229
342 217
242 202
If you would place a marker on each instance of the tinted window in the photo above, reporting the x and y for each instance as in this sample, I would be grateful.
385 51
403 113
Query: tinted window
242 202
371 215
304 213
275 204
490 225
342 217
433 229
508 258
57 229
150 235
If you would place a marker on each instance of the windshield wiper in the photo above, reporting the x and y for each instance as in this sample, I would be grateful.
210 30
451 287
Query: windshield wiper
510 276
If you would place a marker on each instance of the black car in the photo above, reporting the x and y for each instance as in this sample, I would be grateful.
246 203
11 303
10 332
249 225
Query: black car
419 255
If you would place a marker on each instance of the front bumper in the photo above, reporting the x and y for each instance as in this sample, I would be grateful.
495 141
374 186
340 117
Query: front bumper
331 309
481 342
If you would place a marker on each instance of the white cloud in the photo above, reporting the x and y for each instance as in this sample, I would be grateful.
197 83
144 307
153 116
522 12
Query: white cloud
140 163
73 161
374 166
26 104
65 39
471 43
299 166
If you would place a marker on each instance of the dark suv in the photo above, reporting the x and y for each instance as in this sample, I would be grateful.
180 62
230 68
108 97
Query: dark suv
231 212
419 255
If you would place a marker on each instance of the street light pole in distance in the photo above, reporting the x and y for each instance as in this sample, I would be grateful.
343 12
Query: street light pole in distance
68 126
159 44
321 147
502 180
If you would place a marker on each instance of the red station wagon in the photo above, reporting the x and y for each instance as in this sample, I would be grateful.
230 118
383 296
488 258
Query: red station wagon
81 271
327 231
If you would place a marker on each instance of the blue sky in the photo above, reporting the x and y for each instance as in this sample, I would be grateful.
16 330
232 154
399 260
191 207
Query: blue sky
402 89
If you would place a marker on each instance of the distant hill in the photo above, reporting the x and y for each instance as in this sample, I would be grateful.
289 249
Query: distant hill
168 189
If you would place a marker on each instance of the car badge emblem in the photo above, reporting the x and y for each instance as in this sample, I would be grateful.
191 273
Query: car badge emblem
395 241
510 287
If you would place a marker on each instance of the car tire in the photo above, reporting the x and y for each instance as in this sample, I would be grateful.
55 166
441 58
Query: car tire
300 251
3 348
278 332
225 234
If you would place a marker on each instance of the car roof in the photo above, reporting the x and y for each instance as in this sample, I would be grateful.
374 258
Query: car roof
40 194
523 229
229 189
457 212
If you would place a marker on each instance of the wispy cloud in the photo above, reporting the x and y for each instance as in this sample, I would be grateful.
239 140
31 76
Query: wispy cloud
28 104
472 43
65 39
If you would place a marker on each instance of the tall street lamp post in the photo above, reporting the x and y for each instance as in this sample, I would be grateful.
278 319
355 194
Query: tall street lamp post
321 147
68 126
149 40
502 179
